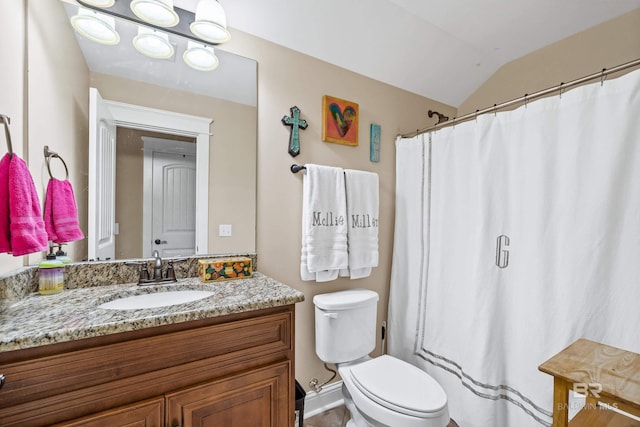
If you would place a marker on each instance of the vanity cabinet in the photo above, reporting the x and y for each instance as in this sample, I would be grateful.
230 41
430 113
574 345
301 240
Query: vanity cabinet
256 398
149 413
222 371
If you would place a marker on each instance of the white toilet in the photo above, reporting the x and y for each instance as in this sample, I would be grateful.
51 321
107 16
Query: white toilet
381 391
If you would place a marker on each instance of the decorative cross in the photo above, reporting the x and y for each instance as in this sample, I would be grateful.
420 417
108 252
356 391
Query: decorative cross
295 122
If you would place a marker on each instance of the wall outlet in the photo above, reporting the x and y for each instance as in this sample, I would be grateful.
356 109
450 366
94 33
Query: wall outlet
224 230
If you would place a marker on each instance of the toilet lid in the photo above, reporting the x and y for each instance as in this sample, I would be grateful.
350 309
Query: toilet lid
399 386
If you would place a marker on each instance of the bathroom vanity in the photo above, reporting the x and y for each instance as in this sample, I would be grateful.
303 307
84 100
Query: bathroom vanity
224 360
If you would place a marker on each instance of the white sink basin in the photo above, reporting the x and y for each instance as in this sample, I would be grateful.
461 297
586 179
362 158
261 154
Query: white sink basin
157 299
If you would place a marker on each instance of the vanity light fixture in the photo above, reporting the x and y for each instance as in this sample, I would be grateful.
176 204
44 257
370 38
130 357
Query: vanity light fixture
152 43
211 22
155 12
200 57
96 26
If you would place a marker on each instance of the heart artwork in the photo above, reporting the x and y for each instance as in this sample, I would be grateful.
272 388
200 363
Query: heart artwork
342 119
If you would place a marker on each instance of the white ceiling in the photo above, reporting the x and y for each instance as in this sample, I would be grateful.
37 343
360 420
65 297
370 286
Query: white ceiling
443 50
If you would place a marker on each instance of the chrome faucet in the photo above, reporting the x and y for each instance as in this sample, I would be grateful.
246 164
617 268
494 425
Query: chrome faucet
155 277
157 266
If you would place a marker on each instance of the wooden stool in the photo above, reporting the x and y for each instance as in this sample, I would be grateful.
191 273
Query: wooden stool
604 374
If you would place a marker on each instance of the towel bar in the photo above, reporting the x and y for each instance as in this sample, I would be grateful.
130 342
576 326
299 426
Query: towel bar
6 120
297 168
48 154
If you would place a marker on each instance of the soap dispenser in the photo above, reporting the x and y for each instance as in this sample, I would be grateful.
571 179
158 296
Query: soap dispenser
51 272
62 256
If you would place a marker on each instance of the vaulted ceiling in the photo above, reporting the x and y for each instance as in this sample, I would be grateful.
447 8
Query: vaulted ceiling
442 49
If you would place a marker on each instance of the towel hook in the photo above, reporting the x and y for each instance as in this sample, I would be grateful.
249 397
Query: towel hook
48 154
6 120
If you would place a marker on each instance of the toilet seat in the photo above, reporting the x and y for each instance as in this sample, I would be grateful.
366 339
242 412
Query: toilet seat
399 386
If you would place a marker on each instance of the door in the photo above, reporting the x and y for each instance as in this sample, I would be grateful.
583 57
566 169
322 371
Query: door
102 182
174 204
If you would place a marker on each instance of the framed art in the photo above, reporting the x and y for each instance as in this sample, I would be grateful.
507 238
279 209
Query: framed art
374 145
339 121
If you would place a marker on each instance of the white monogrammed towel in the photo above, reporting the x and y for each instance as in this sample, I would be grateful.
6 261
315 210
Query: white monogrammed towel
324 224
362 221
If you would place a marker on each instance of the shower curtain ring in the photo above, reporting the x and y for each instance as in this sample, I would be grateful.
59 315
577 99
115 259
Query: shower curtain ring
603 76
560 87
495 109
525 100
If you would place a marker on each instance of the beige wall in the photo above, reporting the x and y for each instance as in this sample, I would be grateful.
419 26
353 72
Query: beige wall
13 89
604 46
287 78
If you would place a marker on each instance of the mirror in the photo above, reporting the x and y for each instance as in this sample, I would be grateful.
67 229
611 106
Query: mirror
63 66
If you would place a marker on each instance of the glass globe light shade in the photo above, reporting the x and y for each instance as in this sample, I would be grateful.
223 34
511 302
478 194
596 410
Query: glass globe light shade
100 3
96 27
211 22
156 12
152 43
200 57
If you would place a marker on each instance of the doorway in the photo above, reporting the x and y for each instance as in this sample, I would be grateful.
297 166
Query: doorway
169 197
145 162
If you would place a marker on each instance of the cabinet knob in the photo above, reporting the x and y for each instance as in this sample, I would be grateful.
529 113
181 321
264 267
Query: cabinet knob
1 380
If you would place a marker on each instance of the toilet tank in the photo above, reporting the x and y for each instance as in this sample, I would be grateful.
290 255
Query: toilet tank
345 325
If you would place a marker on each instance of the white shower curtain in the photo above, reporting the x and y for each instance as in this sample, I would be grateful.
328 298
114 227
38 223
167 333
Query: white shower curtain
523 237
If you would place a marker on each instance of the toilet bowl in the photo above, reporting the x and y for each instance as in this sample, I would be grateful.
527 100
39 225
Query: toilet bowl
381 391
390 392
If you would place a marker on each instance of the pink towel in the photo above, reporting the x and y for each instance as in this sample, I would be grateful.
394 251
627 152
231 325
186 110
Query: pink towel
5 235
61 212
26 226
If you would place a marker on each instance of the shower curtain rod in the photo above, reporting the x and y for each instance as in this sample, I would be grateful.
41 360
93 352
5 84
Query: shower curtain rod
526 98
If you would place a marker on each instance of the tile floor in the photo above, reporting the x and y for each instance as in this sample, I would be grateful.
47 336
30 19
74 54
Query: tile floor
337 417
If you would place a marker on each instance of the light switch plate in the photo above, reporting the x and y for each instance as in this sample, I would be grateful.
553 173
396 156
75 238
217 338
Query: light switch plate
224 230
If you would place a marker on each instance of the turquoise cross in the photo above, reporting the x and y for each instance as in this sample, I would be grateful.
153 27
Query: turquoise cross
296 123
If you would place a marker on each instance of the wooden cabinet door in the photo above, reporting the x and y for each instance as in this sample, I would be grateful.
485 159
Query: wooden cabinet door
149 413
256 398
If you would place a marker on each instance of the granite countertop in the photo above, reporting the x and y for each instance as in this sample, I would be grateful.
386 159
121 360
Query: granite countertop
74 313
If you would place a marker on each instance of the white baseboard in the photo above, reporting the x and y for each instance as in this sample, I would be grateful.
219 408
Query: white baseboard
329 397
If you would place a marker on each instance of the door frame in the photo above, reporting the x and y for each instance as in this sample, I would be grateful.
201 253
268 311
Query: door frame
152 119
